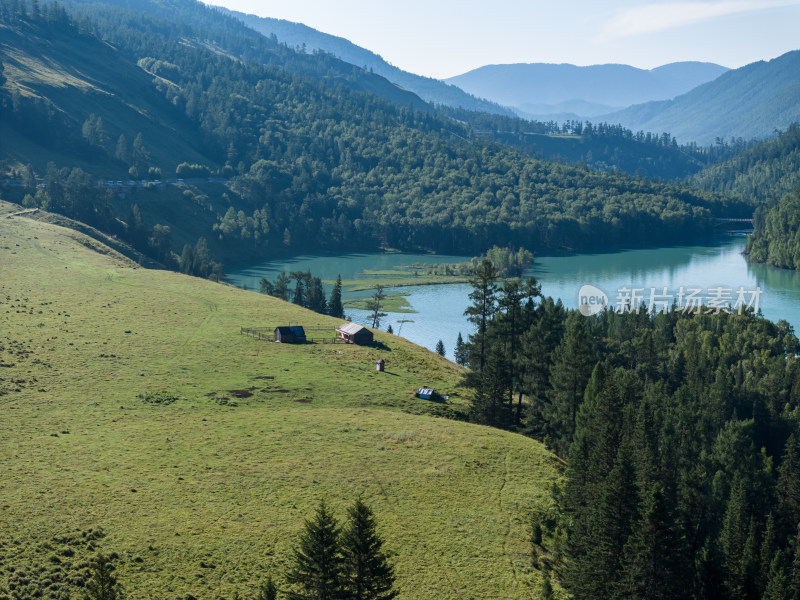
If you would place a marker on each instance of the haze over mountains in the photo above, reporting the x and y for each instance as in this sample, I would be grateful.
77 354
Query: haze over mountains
545 91
750 102
297 35
693 101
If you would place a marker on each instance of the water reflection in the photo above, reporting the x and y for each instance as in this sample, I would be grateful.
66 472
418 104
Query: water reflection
440 308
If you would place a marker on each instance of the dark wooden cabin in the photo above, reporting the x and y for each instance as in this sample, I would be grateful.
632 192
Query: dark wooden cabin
290 335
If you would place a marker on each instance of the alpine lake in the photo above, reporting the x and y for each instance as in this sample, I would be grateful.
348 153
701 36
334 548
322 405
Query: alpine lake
715 273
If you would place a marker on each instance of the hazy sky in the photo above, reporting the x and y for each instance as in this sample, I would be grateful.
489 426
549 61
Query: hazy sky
442 38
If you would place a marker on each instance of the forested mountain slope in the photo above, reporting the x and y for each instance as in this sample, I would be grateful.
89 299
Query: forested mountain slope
763 173
601 146
297 35
606 149
680 431
769 175
68 97
206 27
750 102
316 164
776 238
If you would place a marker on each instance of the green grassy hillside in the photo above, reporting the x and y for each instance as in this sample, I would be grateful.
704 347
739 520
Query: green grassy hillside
204 495
58 78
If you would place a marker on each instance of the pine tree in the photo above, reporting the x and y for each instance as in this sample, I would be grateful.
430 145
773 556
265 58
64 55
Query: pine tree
538 345
368 573
135 227
315 296
187 260
317 569
460 351
787 492
581 488
605 509
440 348
375 305
29 178
750 564
536 530
569 374
266 287
733 538
546 592
510 323
653 561
489 406
299 296
777 582
268 590
102 584
282 286
768 548
483 307
121 152
335 308
141 157
794 572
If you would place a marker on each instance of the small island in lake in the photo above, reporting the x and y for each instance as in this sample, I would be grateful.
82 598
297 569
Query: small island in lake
508 263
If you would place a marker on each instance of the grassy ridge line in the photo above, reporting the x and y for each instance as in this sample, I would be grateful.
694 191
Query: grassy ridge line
230 486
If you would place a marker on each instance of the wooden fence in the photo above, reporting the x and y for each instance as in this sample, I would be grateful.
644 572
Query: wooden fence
268 334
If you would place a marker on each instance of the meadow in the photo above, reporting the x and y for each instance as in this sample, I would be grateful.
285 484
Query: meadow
132 403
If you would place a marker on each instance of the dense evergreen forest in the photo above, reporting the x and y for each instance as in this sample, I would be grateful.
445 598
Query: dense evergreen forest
763 173
602 146
318 165
681 434
768 175
776 236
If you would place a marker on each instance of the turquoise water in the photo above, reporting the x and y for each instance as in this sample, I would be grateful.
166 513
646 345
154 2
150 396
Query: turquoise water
440 308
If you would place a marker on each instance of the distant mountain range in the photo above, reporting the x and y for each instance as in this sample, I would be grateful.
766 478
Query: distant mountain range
546 91
304 38
693 101
750 102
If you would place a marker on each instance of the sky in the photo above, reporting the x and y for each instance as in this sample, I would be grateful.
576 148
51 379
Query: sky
444 38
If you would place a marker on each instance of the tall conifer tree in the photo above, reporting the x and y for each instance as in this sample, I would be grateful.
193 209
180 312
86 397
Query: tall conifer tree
317 565
368 575
569 374
787 492
335 308
484 289
102 584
